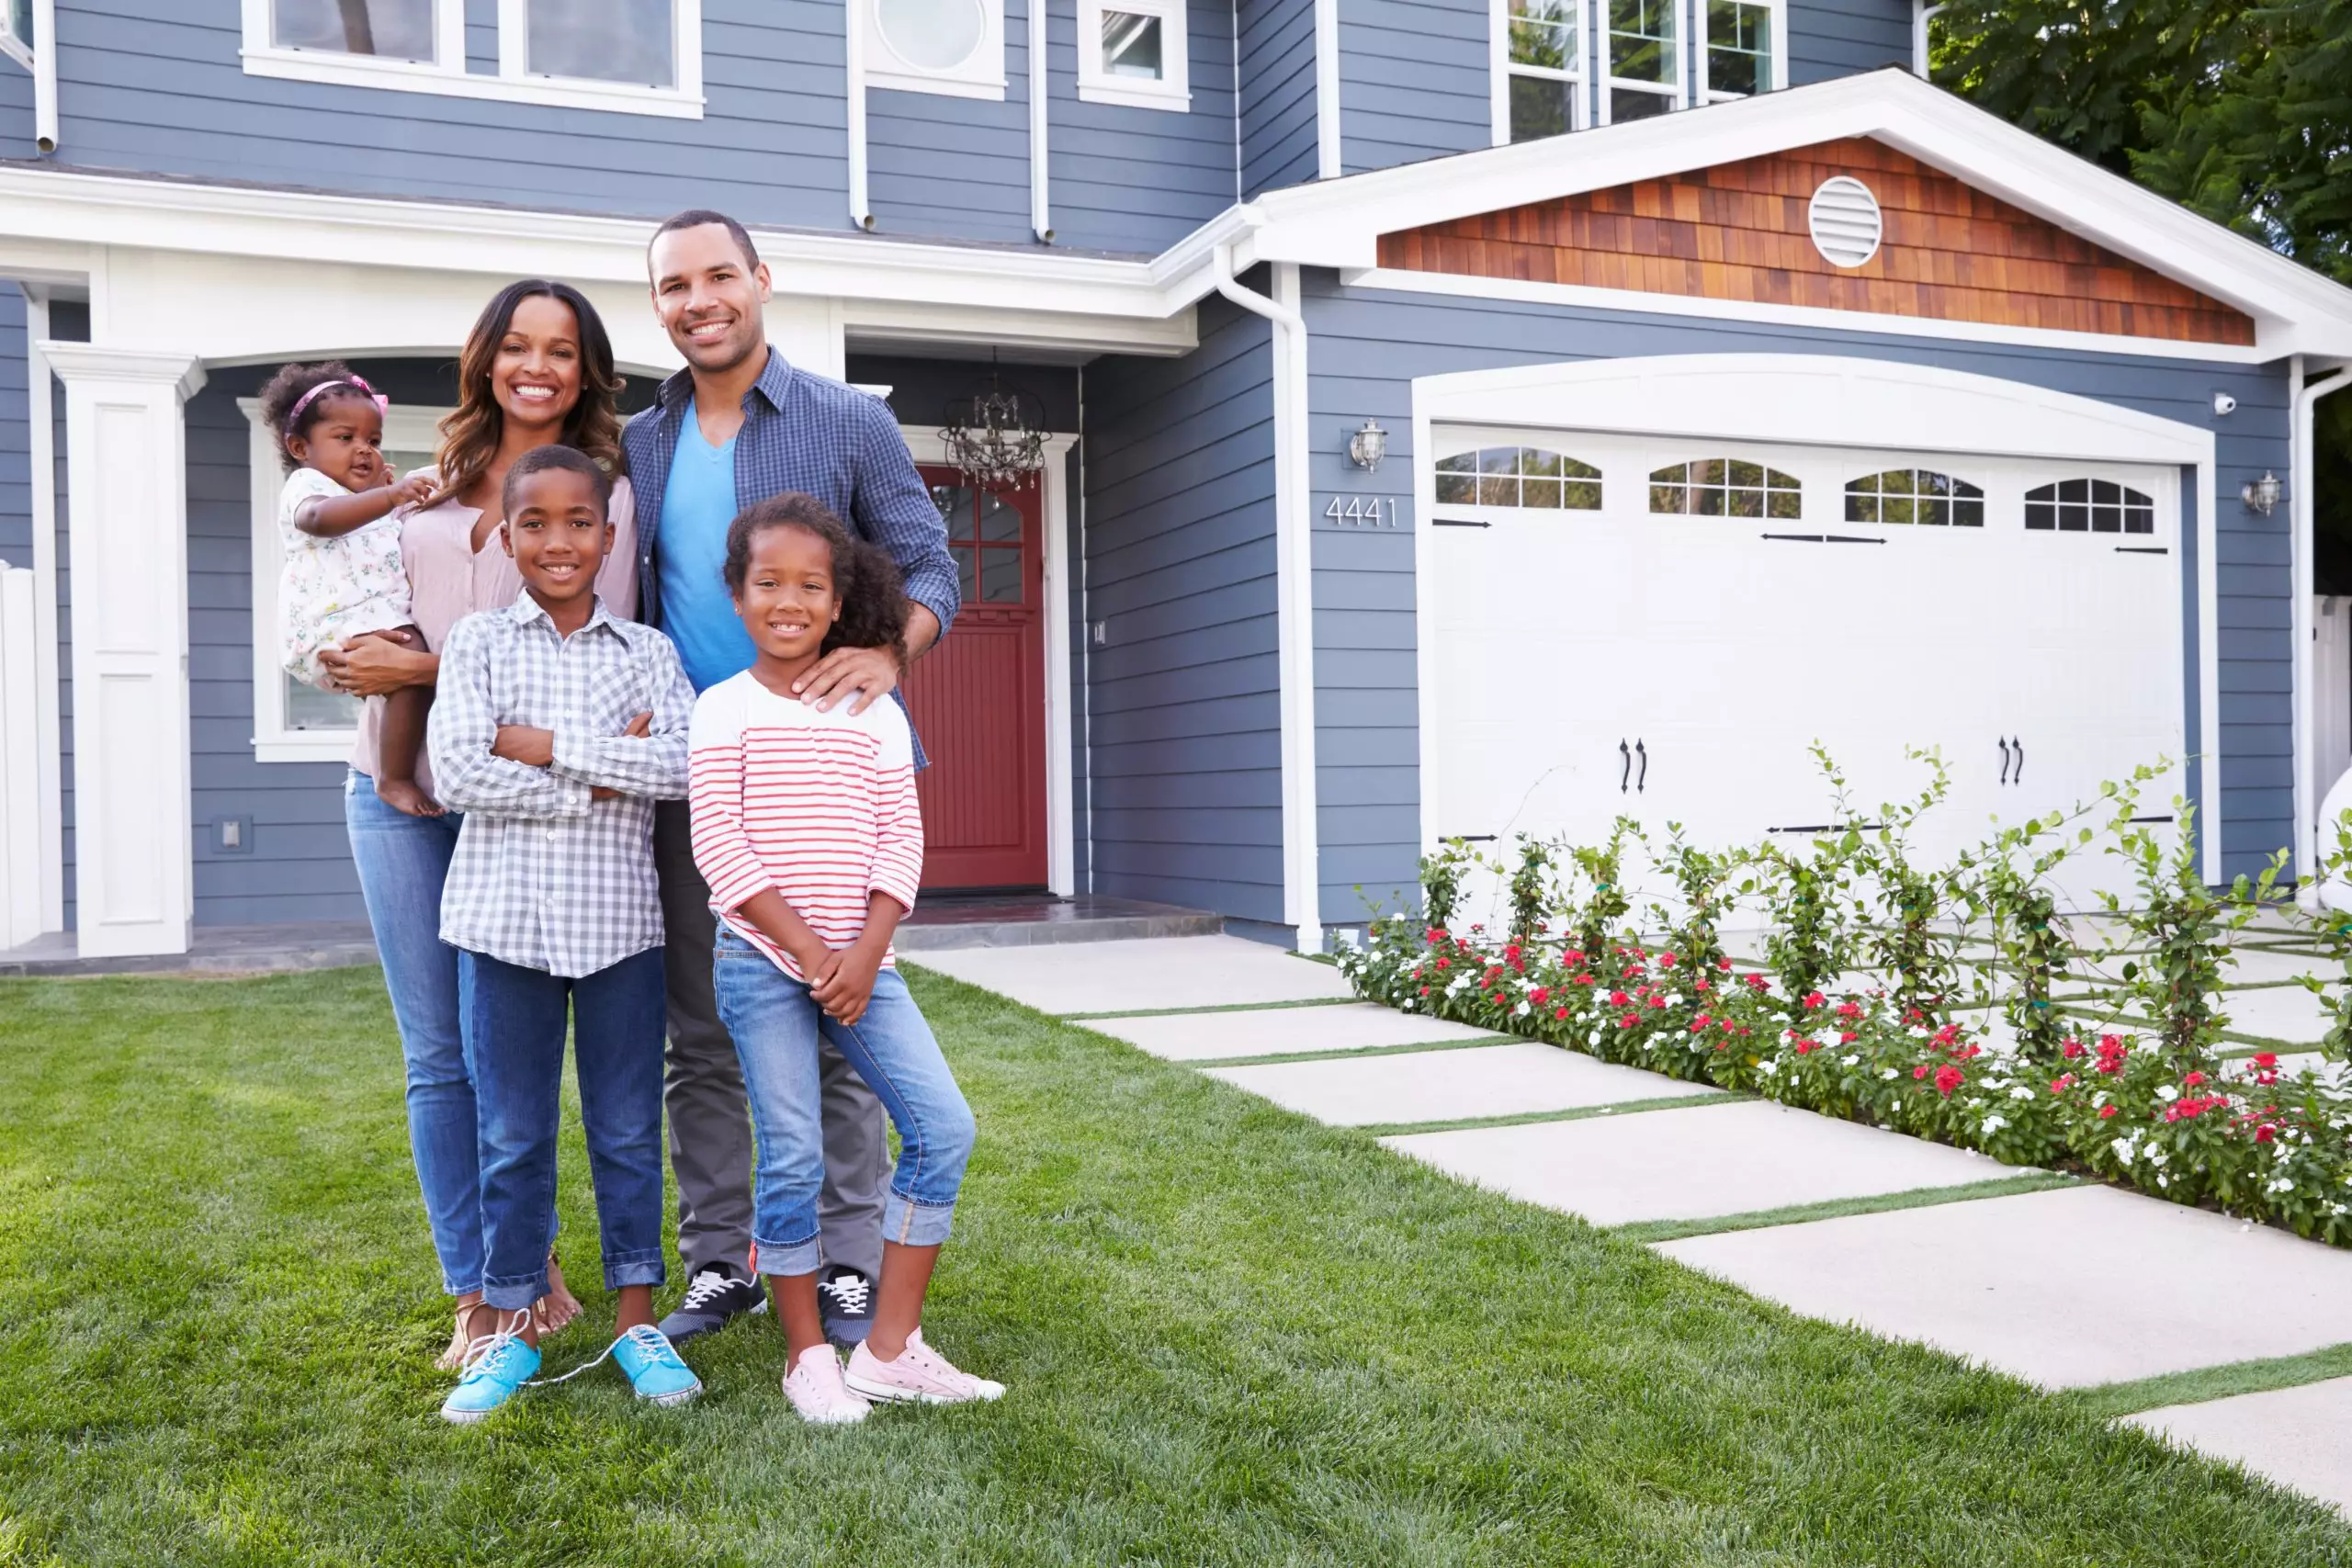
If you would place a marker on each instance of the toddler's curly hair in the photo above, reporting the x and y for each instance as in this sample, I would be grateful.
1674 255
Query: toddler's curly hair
290 386
874 598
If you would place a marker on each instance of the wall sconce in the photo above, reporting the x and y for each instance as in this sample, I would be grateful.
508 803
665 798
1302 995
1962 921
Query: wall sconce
1368 445
2260 495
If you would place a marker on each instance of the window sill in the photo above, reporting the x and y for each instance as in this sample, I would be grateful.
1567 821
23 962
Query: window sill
945 87
1136 96
415 76
313 746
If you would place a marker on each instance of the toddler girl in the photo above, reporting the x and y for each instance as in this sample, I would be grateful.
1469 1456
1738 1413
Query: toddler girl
806 827
342 576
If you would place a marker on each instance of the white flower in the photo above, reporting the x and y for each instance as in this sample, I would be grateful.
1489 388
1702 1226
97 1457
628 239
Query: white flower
1521 1011
2156 1156
1890 1074
2284 1184
2020 1092
1993 1124
1769 1067
2165 1091
1849 1058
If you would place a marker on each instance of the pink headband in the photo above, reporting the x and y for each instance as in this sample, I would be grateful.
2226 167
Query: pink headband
294 414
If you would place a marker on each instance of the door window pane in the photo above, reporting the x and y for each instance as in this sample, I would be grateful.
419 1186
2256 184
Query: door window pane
967 571
1131 45
603 40
1000 520
1000 577
1720 487
2090 506
390 30
20 21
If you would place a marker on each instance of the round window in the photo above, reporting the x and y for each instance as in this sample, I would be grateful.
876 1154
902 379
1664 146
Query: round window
933 35
1845 221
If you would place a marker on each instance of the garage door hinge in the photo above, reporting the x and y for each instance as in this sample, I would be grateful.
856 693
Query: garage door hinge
1458 522
2142 550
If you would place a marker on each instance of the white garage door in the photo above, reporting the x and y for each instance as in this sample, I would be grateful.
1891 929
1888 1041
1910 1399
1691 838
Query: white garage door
1664 626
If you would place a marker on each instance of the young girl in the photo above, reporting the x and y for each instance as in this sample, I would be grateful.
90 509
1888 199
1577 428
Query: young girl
342 576
806 827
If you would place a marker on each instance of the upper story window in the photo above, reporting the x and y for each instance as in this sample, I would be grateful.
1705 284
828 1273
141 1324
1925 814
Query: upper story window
2089 506
1640 54
954 47
1133 52
1725 487
1517 476
1742 50
16 31
629 56
1914 495
1542 46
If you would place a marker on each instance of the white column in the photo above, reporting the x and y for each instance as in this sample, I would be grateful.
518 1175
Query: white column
126 488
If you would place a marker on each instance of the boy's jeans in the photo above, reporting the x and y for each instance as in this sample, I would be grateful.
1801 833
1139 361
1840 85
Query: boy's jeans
774 1025
513 1020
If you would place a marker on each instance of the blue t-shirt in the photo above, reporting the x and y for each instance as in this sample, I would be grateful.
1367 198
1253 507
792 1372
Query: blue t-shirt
696 610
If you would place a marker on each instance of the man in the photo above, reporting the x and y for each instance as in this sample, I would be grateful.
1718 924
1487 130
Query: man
737 425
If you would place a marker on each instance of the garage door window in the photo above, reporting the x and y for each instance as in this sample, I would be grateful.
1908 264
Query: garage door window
2089 506
1725 487
1914 495
1519 475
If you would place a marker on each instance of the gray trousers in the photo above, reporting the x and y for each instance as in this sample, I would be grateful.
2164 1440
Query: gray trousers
710 1120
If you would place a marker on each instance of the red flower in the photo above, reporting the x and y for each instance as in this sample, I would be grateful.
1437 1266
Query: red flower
2105 1112
2266 1060
1920 1071
1723 964
1948 1079
1540 995
1657 1001
2072 1049
1619 999
1805 1046
1425 990
2060 1085
1850 1009
2193 1079
1665 960
1445 963
1629 1021
1561 1013
1814 999
1846 1037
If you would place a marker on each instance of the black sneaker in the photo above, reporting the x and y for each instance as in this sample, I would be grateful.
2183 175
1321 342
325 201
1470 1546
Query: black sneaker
715 1298
845 1297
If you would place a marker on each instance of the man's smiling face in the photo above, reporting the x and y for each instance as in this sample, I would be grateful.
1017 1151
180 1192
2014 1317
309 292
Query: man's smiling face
709 297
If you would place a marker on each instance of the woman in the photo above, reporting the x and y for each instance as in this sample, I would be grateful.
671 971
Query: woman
537 370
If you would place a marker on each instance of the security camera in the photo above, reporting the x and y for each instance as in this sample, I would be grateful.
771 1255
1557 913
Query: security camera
2224 403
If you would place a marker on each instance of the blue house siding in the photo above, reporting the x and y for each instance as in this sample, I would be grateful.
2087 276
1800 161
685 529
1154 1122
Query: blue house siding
952 165
69 321
16 109
1133 179
1184 695
155 86
1413 81
1840 38
1367 346
16 435
1277 43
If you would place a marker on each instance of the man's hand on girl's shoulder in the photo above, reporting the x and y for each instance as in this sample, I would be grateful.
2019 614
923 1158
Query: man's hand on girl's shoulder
861 675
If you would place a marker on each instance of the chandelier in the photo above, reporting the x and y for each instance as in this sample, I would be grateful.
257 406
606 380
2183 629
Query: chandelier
997 437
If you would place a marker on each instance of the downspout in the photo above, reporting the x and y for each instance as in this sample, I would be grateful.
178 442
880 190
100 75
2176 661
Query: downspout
1920 17
1293 591
45 75
854 40
1326 90
2310 849
1041 84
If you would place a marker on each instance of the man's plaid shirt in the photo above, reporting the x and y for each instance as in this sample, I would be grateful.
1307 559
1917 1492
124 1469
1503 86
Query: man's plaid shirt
820 437
545 876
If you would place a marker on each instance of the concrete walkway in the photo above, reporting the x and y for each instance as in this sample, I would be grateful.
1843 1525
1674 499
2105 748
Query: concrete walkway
2066 1285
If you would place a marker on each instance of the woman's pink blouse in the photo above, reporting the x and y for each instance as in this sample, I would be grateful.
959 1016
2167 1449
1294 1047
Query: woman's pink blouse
449 579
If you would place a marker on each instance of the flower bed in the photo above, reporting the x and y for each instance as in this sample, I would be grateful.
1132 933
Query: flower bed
2173 1120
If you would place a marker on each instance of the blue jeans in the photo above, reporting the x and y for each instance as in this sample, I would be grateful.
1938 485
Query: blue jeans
774 1025
514 1021
402 862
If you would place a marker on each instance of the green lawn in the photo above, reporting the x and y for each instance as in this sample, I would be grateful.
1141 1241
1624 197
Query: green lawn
1231 1336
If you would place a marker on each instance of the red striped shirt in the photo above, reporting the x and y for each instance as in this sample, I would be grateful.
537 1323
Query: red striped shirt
820 806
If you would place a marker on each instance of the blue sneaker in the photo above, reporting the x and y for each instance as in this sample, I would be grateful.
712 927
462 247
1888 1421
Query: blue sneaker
653 1367
496 1367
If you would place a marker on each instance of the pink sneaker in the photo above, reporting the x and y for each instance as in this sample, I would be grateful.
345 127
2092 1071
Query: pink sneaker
814 1386
919 1376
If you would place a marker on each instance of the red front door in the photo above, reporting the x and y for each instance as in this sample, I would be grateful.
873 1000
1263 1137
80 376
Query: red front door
979 699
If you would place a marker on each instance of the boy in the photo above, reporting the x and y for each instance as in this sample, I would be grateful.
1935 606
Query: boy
555 728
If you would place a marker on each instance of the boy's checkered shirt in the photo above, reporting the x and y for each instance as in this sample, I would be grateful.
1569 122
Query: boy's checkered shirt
545 876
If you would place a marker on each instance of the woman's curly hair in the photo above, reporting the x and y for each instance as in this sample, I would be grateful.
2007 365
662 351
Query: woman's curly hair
470 433
873 598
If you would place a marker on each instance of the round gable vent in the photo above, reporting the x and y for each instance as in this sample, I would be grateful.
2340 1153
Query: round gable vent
1845 221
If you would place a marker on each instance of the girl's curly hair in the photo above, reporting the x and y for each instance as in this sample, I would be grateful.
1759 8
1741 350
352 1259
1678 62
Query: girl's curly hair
290 386
873 598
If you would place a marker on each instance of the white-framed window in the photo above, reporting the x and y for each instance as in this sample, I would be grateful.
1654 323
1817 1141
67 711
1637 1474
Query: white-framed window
955 47
1133 52
16 31
1539 69
1914 495
1725 487
1534 477
294 722
2089 506
628 56
1743 47
1641 52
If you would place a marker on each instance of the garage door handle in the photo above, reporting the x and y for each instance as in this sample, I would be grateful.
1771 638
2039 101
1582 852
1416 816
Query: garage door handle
1642 779
1625 772
2005 759
2019 747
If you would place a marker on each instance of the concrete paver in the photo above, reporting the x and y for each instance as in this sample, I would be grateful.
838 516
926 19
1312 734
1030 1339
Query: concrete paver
2298 1436
2067 1288
1449 1085
1695 1164
1157 972
1204 1036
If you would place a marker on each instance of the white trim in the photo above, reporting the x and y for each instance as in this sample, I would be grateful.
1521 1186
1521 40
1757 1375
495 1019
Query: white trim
1701 93
1172 91
2311 847
406 427
861 207
1061 859
978 75
1920 17
446 75
41 450
1038 83
1329 160
1823 399
13 46
1637 301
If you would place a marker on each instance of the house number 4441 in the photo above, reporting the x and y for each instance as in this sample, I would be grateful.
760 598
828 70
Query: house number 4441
1361 512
